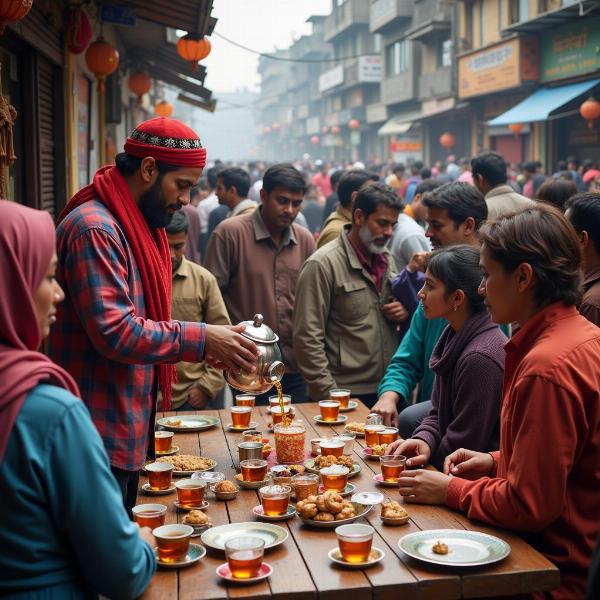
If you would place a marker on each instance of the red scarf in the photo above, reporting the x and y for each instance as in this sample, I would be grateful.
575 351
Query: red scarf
150 250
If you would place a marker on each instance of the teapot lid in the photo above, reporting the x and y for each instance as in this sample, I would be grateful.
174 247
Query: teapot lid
257 331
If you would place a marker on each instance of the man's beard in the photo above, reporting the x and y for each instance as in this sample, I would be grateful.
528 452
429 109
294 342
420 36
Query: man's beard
154 207
368 239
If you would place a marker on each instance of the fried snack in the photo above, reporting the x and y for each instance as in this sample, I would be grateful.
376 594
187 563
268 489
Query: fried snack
322 462
296 469
196 517
346 461
306 509
439 548
225 486
345 513
188 462
266 451
174 422
379 449
329 506
333 502
325 516
393 510
355 427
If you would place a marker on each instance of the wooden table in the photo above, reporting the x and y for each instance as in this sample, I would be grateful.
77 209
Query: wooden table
301 566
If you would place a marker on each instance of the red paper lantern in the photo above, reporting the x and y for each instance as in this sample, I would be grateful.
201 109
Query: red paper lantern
13 10
314 140
447 140
324 129
590 111
79 30
335 130
140 84
354 124
516 128
102 60
192 47
164 109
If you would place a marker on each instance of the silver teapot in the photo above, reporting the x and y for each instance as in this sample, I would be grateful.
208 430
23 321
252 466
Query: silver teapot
269 367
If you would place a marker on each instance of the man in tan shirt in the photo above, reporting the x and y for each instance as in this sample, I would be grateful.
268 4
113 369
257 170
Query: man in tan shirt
256 259
195 297
348 186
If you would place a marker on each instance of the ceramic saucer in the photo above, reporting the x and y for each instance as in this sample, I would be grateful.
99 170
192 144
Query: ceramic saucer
260 513
148 490
195 553
339 421
224 572
349 489
374 557
231 427
203 506
351 406
378 479
173 450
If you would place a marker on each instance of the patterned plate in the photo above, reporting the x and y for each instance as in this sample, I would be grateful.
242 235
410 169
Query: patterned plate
465 548
360 511
351 406
374 557
321 421
310 466
188 423
195 553
217 536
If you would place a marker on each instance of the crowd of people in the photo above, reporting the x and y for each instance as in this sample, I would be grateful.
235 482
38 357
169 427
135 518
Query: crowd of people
461 302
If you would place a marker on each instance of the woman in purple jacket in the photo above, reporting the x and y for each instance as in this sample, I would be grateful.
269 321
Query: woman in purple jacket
468 362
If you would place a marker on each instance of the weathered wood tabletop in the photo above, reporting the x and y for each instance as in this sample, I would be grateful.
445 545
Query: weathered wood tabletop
301 568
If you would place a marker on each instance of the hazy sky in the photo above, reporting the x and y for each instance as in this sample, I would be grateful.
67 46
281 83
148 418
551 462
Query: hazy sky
262 25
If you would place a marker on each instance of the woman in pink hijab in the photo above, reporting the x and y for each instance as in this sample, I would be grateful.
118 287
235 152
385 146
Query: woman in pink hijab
63 529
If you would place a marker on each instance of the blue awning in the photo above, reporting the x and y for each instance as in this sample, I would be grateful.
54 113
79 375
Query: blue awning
542 102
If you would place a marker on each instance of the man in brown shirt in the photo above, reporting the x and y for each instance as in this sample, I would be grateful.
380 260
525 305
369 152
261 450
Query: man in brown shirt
583 210
256 259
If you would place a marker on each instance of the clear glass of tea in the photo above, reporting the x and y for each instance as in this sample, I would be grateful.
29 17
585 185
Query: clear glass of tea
305 485
329 410
341 396
274 400
190 492
392 467
173 542
372 434
355 542
387 435
277 414
240 416
163 441
348 439
334 478
244 556
374 419
149 515
160 475
253 470
275 499
245 400
332 447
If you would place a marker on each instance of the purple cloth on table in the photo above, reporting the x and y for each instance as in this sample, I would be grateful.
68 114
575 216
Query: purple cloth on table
405 287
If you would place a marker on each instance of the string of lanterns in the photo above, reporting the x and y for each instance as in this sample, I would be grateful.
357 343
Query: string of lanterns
12 11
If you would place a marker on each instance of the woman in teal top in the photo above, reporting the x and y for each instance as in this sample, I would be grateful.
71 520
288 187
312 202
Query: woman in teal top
63 530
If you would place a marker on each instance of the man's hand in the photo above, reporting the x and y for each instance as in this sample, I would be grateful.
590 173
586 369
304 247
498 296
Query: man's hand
146 535
463 461
198 398
394 311
225 348
425 487
418 262
418 450
386 407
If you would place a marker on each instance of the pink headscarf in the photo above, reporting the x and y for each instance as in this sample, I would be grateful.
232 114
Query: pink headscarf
27 242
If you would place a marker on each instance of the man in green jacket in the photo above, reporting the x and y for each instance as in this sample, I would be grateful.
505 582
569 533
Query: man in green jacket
455 212
345 319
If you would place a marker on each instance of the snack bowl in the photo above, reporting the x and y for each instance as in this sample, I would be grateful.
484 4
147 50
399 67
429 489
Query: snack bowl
224 495
395 520
360 509
251 485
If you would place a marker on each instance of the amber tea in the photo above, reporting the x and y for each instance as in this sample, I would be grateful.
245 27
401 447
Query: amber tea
334 478
149 515
244 556
341 396
275 499
278 416
190 492
163 441
173 542
392 467
159 475
305 485
245 400
329 410
355 542
332 447
253 470
387 435
240 416
371 434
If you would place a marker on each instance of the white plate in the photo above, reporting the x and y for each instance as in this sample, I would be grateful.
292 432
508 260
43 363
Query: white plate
195 553
189 423
374 557
203 506
340 420
356 433
260 513
309 463
148 490
465 548
273 535
368 498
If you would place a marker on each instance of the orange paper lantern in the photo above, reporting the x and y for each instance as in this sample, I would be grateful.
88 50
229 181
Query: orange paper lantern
516 128
447 140
140 84
354 124
193 48
164 109
102 60
13 10
314 140
335 130
590 111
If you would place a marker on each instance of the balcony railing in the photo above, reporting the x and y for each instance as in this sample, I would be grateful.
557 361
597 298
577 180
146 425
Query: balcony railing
349 14
399 88
435 85
386 14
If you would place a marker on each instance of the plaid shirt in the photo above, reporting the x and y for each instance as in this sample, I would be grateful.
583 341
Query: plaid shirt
103 338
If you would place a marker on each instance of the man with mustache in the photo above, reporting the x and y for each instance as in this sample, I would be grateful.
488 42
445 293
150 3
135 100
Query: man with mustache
345 320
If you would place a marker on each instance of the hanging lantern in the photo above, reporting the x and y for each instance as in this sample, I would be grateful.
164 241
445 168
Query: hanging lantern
79 30
590 111
314 140
102 60
516 128
335 130
354 124
275 126
447 140
266 130
324 129
164 109
192 47
13 10
140 84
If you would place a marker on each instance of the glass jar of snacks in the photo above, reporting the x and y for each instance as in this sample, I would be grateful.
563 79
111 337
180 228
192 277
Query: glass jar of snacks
289 443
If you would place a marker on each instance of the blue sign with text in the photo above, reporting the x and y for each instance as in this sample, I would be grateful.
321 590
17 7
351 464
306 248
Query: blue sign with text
121 15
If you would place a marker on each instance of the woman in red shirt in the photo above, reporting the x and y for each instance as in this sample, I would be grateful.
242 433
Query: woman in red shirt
545 480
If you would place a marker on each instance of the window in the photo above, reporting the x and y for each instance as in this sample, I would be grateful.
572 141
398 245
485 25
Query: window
481 22
447 53
396 58
518 10
469 22
377 43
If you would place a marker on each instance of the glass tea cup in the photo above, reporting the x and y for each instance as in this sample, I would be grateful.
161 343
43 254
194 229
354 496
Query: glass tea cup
173 542
332 447
387 435
274 400
240 416
348 439
190 492
276 414
305 485
149 515
334 478
163 441
341 396
244 556
392 467
245 400
355 542
160 475
275 499
372 434
253 470
329 410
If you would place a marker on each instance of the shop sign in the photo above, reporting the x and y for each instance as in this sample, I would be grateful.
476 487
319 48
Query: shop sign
120 15
500 67
369 69
570 50
409 145
331 78
355 138
313 125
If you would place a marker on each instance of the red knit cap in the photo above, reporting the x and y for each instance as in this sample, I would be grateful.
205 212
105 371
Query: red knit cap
168 141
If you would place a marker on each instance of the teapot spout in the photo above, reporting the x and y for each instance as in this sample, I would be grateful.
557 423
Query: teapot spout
276 371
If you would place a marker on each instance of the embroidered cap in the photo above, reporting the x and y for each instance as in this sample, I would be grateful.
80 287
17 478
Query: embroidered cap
168 141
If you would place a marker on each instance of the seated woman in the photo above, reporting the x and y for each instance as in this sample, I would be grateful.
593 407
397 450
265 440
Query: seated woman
468 362
63 530
545 479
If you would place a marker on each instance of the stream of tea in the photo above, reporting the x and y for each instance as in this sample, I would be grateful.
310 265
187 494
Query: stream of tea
285 421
